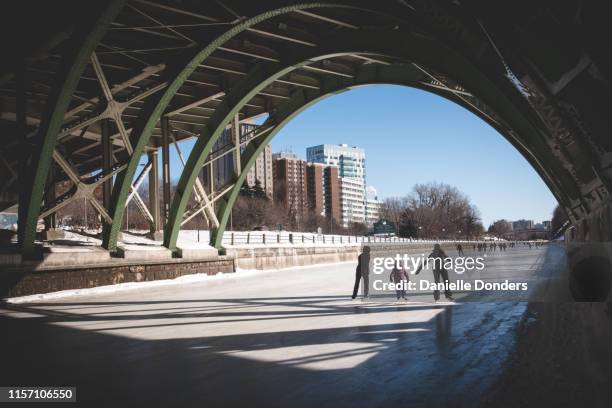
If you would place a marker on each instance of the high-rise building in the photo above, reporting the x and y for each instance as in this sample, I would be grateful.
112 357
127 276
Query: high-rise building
304 188
285 154
223 169
352 200
350 160
372 206
332 189
323 187
290 184
315 185
372 211
262 171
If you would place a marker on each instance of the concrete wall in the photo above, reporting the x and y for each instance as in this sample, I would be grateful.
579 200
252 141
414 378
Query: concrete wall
276 257
19 283
271 257
589 250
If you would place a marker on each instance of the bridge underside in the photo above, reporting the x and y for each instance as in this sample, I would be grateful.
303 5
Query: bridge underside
88 104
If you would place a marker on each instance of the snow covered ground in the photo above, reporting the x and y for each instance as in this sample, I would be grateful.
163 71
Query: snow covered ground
193 239
136 286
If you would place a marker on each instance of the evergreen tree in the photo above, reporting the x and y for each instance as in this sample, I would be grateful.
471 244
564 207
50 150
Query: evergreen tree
258 191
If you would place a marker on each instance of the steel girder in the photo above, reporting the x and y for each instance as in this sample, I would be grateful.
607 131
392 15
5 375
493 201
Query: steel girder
260 76
524 130
527 134
177 74
86 38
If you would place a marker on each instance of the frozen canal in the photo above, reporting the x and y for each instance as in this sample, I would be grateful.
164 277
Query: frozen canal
278 338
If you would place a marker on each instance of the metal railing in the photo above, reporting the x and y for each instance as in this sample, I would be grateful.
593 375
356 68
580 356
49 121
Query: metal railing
244 238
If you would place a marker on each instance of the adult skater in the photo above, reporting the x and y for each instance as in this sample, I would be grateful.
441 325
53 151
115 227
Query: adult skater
362 271
438 256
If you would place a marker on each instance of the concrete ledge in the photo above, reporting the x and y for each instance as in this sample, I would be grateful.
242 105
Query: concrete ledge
288 256
71 256
144 253
156 236
197 253
10 259
52 234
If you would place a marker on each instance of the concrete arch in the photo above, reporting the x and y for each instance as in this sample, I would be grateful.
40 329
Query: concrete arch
524 128
177 74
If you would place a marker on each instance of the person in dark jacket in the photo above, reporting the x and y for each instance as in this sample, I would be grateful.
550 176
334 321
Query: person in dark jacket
399 276
362 271
438 256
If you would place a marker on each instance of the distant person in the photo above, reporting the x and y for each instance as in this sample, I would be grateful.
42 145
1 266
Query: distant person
438 256
460 250
362 271
399 276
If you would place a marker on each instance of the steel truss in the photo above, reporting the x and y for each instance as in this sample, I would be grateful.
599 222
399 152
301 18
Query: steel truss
265 73
202 86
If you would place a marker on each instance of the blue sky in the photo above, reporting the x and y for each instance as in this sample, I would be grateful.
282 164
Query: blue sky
411 136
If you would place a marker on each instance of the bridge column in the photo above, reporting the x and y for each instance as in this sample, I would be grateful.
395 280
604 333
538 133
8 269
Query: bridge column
156 225
51 219
165 129
107 161
23 151
236 141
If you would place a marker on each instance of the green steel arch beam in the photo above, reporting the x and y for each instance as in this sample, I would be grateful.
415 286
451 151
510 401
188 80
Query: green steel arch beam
86 37
177 75
258 78
302 99
428 52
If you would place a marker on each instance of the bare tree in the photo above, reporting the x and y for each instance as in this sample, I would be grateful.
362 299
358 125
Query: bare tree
434 210
500 228
392 209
